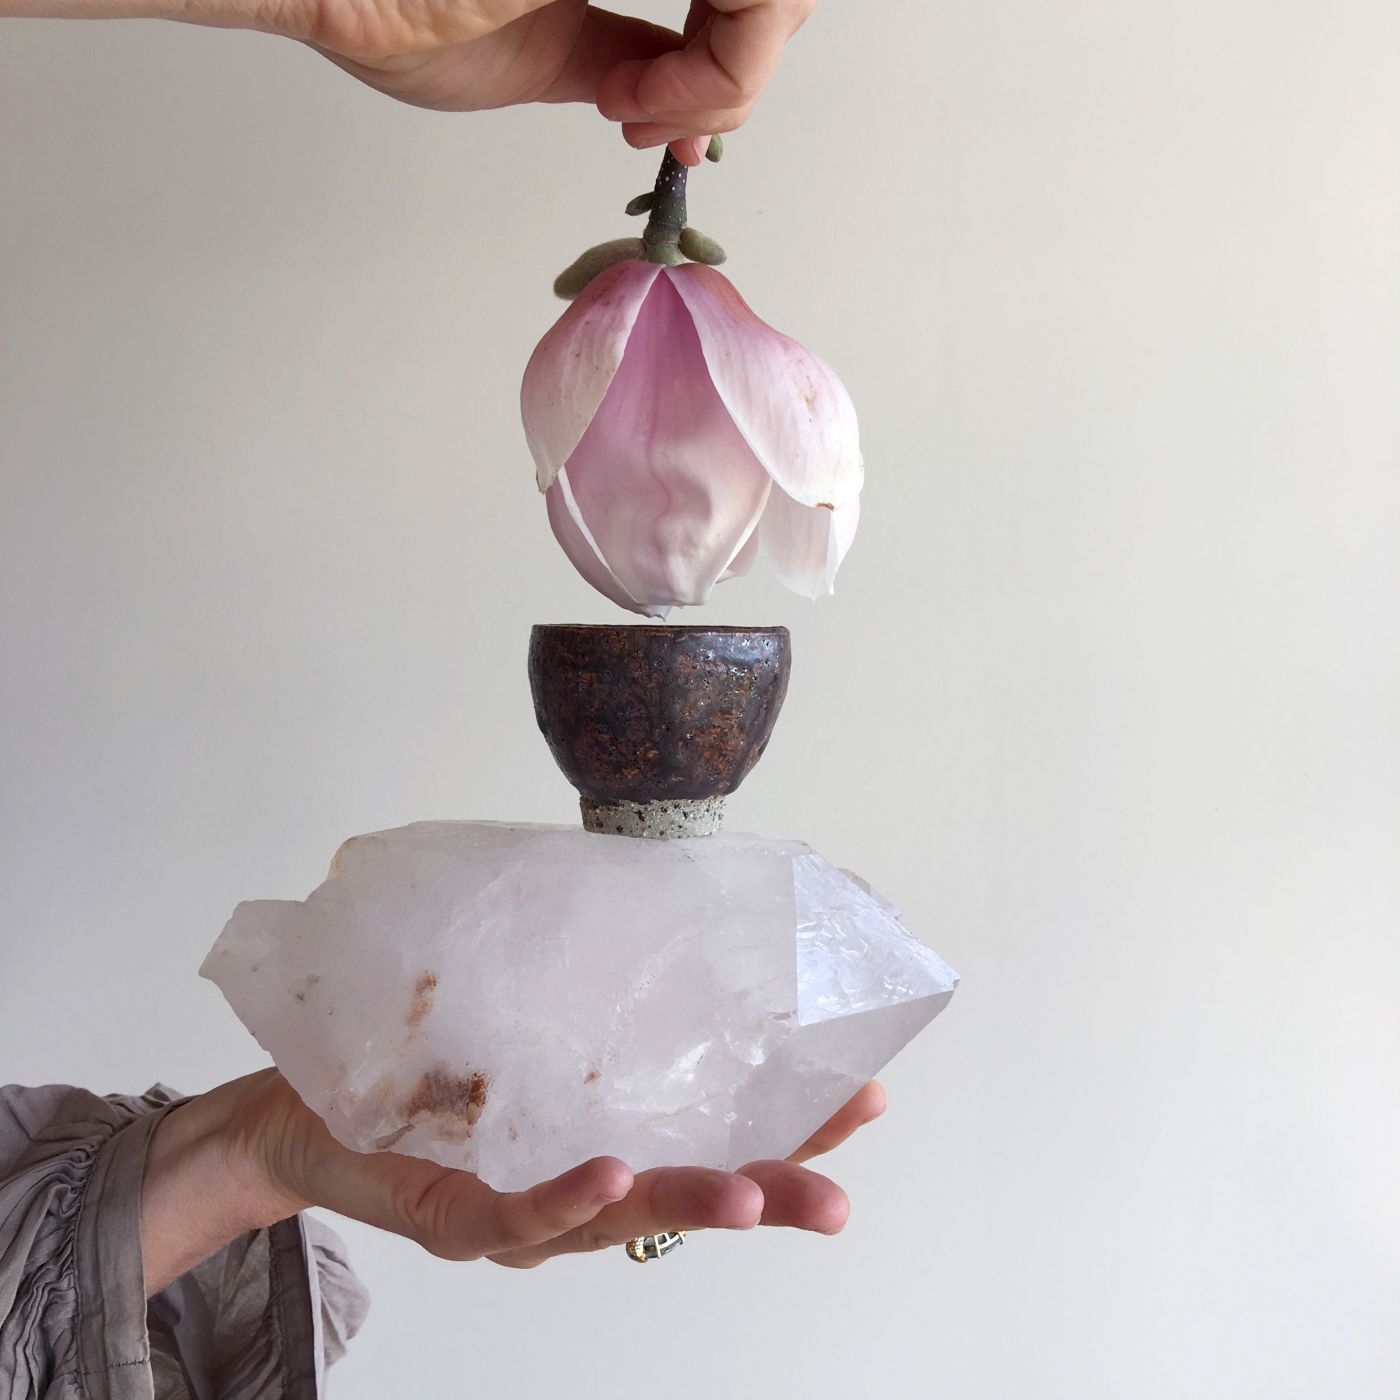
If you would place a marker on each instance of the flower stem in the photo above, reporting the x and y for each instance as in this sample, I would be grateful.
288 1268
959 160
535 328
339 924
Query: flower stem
663 231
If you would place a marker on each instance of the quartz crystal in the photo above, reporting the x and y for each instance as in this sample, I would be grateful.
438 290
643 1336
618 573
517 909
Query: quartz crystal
512 1000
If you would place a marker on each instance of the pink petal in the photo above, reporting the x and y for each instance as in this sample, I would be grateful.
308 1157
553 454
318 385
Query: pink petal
806 544
667 486
792 410
570 371
742 562
577 543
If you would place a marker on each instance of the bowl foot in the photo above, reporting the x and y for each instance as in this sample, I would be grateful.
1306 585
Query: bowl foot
661 820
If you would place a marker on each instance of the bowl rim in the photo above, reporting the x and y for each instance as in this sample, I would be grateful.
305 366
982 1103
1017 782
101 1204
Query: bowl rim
647 629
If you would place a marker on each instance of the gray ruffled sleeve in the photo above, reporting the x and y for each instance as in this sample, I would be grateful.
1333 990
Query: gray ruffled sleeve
260 1319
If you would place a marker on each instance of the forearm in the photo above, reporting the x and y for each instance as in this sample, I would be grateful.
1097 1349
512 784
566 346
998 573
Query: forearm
200 1191
227 14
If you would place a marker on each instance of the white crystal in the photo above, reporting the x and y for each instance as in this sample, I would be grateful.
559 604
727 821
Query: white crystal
513 1000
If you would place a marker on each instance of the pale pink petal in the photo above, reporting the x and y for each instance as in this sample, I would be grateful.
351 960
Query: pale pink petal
742 562
792 410
569 373
665 483
578 544
806 544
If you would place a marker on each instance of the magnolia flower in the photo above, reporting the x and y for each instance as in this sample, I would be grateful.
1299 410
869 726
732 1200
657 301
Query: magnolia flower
674 432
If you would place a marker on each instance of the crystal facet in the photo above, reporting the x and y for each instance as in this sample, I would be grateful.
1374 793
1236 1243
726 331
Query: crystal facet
512 1000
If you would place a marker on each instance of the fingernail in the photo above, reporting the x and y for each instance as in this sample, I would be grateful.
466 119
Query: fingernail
689 150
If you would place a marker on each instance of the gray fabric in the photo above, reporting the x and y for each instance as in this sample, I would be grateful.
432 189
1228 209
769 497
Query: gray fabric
259 1320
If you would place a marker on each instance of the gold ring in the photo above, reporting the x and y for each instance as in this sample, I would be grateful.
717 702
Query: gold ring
648 1247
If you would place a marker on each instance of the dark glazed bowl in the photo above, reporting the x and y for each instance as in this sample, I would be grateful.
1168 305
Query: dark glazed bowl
651 714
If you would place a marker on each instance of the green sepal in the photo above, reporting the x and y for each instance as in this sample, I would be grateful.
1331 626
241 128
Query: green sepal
588 265
700 247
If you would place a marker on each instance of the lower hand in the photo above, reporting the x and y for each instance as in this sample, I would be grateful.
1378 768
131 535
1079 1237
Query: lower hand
251 1153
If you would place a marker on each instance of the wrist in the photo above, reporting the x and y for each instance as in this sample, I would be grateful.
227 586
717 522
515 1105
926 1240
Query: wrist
204 1185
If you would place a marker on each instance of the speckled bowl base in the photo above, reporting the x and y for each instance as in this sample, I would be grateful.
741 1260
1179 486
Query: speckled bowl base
660 820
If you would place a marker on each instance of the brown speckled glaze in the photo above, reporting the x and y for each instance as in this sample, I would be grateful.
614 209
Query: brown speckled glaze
646 714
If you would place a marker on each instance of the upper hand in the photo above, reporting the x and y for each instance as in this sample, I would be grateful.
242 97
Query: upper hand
462 55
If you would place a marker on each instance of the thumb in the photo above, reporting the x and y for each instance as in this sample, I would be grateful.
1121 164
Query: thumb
455 1214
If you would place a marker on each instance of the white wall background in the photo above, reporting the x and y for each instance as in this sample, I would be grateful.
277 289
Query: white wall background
1109 699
